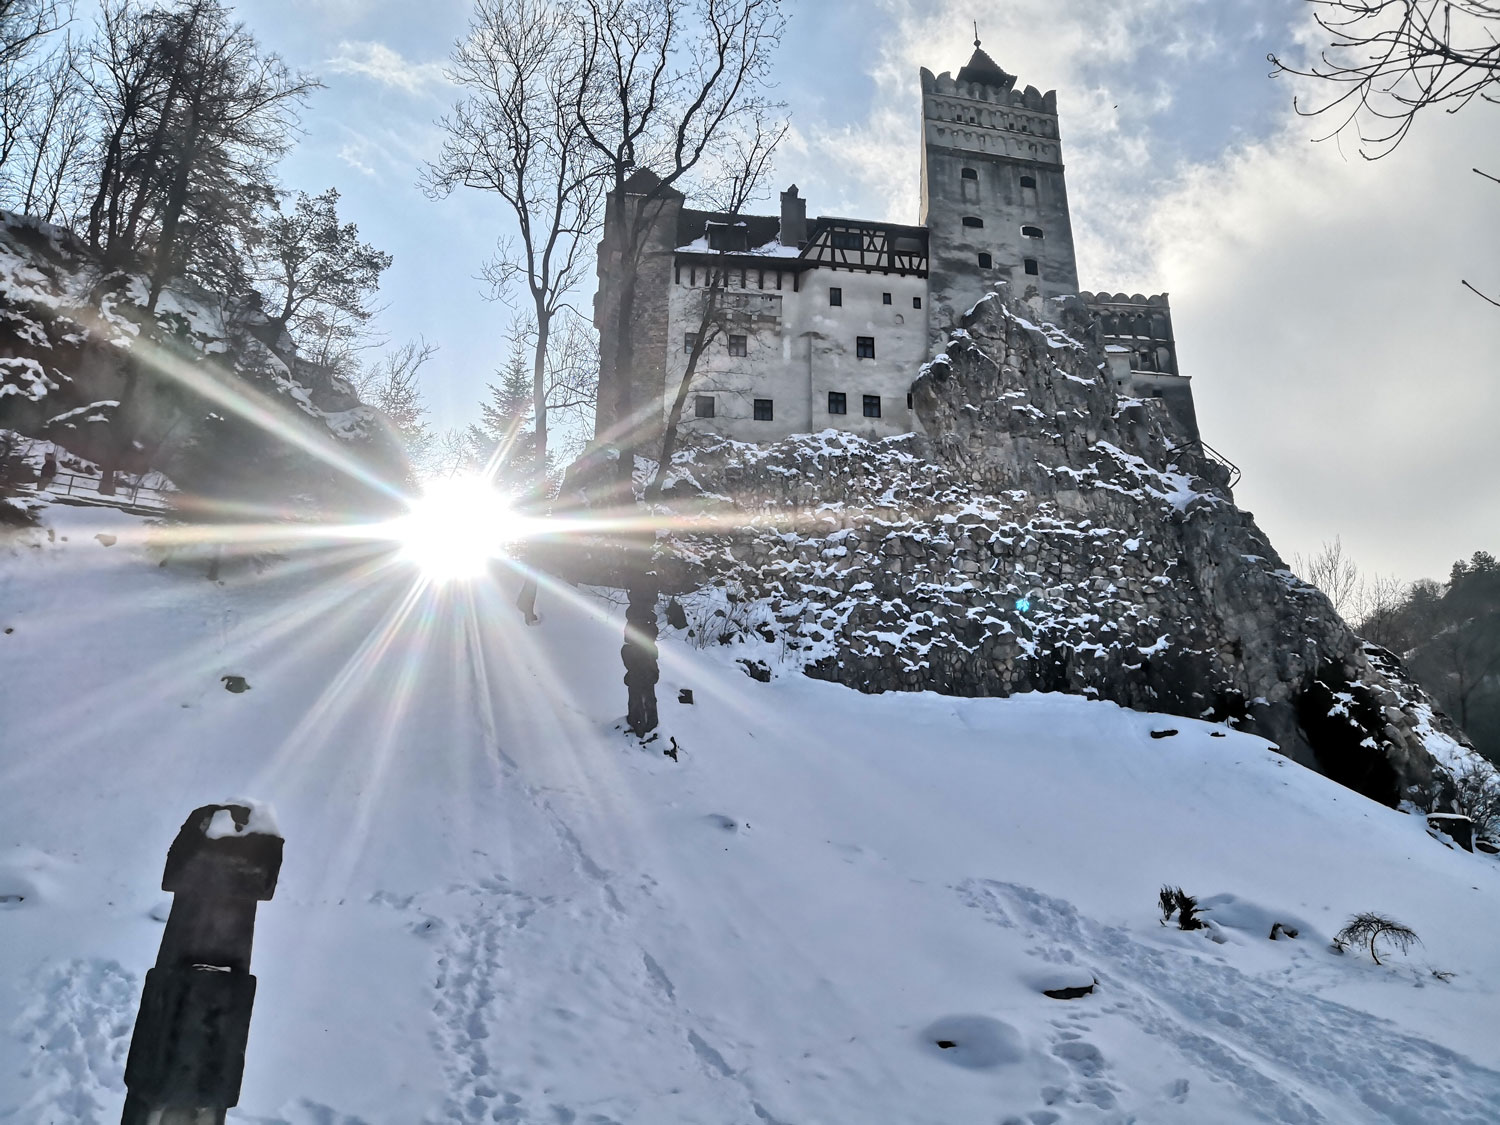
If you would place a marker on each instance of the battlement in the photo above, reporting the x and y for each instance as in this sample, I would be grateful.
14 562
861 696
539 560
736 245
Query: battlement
1002 95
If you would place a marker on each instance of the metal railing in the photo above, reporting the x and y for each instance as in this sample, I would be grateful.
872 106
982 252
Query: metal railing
1213 455
83 489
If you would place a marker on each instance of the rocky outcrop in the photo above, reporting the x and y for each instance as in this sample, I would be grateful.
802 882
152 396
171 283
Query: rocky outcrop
202 389
1045 535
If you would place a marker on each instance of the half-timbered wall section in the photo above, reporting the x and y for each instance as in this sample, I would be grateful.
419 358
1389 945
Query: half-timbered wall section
827 331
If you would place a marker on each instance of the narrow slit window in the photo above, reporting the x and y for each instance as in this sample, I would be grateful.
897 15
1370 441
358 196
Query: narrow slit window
763 410
838 402
908 401
687 342
703 406
737 345
872 406
864 347
835 295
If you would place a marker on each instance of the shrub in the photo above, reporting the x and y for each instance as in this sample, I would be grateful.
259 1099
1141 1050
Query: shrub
1369 929
1173 900
1477 796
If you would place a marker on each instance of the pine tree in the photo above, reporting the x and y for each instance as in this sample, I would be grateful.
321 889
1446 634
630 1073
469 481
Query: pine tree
506 435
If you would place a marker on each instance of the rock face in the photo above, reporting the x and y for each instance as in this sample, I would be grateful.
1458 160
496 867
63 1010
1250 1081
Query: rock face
203 389
1045 535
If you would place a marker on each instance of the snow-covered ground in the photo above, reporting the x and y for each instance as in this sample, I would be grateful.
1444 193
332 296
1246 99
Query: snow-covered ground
494 907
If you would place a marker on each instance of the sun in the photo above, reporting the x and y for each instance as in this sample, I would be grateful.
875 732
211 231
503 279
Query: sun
457 527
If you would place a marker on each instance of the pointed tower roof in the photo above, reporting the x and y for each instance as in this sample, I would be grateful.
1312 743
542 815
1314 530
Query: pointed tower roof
985 70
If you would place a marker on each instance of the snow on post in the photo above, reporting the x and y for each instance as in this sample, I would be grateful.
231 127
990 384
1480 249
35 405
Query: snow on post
187 1054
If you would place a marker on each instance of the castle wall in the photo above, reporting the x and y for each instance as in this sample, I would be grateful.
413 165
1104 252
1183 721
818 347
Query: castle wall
799 347
627 412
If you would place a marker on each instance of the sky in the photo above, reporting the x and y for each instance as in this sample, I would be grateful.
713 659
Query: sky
1316 295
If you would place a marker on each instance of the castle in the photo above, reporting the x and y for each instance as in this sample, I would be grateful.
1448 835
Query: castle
826 322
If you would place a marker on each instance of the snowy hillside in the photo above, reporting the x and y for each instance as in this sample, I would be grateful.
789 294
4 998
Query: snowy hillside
496 908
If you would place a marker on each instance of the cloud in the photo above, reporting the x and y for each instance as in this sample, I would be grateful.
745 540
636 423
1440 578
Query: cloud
381 64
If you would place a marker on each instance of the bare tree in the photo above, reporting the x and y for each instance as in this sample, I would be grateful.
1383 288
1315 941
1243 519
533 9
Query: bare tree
393 387
25 26
1387 60
742 178
1477 796
515 133
1393 58
1379 607
1333 572
669 87
195 116
1368 929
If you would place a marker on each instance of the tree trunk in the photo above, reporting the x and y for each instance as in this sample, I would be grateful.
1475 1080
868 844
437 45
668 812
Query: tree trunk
674 415
639 652
526 600
163 269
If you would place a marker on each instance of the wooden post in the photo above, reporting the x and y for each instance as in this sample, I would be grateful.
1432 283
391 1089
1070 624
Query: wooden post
187 1055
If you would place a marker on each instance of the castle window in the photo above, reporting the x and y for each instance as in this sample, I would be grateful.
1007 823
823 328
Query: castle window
1031 232
864 347
1028 181
916 302
969 174
872 406
985 261
908 400
973 221
760 280
687 342
885 298
835 295
1031 267
737 345
703 406
848 240
838 402
763 411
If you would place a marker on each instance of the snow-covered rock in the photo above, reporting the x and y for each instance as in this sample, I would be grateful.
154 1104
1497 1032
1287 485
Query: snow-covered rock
201 389
1044 534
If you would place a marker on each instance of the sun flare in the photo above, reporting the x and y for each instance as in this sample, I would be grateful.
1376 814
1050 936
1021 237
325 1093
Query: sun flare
457 527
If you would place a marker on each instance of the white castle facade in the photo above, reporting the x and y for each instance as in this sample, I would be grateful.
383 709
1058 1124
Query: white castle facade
826 322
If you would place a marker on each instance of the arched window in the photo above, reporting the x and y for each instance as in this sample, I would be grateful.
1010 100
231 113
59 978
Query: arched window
969 174
1031 232
976 221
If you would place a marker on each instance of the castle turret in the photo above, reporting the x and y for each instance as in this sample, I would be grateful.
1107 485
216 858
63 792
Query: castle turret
993 196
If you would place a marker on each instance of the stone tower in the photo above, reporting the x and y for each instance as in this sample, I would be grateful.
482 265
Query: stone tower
993 197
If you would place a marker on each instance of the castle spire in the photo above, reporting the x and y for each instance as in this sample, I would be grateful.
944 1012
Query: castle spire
984 70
